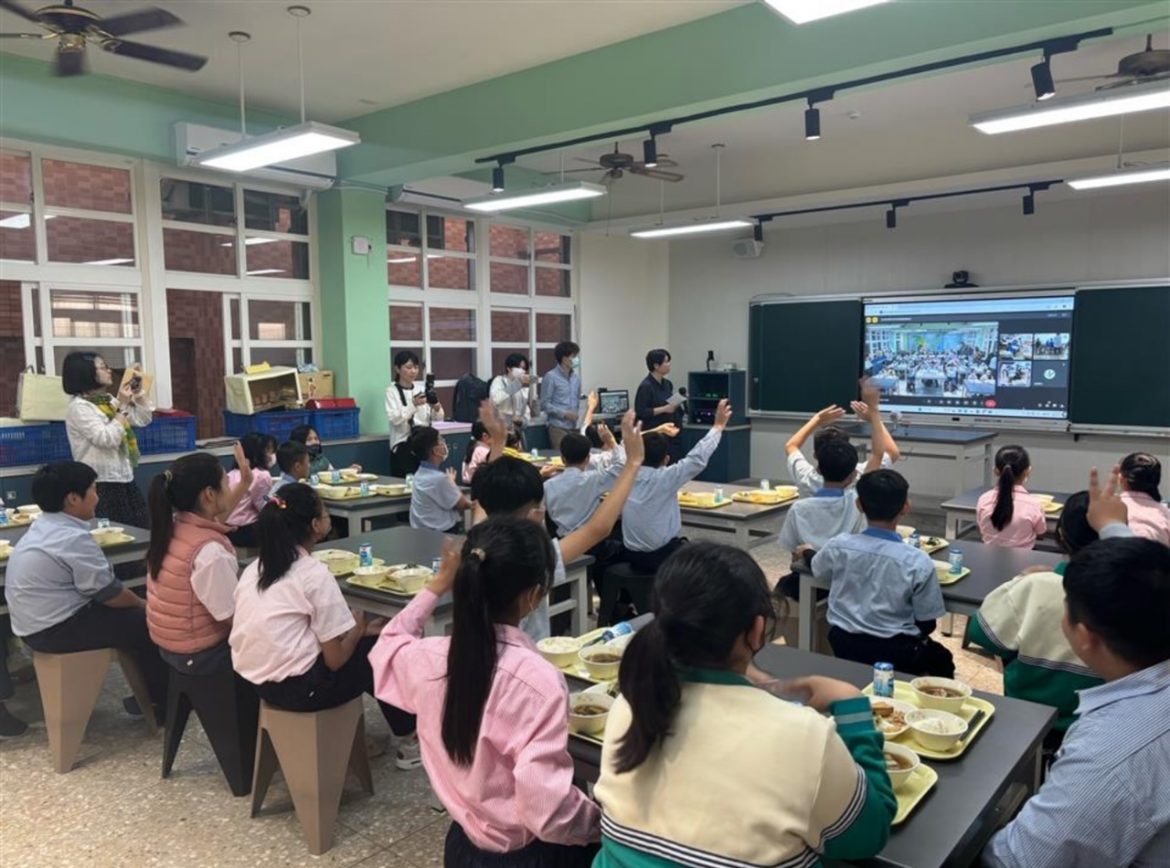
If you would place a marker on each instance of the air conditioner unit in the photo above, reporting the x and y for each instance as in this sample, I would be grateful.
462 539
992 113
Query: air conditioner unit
317 172
402 195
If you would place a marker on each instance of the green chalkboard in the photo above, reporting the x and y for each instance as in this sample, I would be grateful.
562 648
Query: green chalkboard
804 355
1121 357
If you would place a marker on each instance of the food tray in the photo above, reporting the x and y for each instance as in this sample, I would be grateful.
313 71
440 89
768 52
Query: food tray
691 503
524 456
937 544
911 793
343 563
351 476
20 519
973 704
1052 507
114 540
5 551
383 491
951 578
384 584
760 497
338 492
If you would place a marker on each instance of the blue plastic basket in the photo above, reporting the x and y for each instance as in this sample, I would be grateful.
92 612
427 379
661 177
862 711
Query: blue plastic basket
278 423
33 444
167 434
337 424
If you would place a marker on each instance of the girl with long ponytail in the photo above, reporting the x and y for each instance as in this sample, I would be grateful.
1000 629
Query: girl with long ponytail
293 635
1008 515
1149 517
492 713
677 785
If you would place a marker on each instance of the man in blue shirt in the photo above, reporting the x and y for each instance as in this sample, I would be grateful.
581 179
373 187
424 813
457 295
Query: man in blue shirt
1106 800
560 392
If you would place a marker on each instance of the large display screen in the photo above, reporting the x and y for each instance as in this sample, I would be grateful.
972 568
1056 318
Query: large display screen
981 357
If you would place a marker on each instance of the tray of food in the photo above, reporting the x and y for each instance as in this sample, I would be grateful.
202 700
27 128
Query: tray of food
589 712
523 456
337 492
910 777
405 580
597 663
945 577
341 562
766 496
23 515
932 544
391 489
702 500
351 475
945 717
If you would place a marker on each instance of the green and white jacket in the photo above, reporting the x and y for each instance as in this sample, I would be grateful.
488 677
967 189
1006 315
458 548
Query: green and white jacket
746 779
1020 622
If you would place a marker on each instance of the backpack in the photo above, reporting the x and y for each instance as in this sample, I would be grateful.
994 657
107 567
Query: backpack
470 390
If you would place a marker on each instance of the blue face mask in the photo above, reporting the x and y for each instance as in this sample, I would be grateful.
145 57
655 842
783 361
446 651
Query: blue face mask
576 363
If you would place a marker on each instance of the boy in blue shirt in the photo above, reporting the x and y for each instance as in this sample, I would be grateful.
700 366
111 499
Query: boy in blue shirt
884 596
293 459
435 500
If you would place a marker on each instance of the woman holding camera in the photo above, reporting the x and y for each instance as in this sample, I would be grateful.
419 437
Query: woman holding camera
409 404
100 434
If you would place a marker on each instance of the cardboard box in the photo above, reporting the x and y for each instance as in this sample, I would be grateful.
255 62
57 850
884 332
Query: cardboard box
275 389
316 385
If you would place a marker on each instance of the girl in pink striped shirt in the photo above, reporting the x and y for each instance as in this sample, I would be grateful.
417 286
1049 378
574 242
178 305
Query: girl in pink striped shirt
492 713
1141 474
1008 515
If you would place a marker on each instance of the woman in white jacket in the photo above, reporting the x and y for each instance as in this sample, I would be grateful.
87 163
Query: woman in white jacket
407 408
511 393
98 426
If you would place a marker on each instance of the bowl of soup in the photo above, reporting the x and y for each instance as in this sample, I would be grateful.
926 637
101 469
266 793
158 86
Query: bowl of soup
900 763
105 534
588 712
945 694
411 579
906 531
601 661
372 573
934 729
560 651
29 509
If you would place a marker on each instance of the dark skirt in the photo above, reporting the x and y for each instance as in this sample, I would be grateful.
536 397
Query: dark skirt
122 503
460 852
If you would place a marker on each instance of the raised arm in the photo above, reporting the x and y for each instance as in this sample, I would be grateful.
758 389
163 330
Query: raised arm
821 417
489 415
242 487
869 409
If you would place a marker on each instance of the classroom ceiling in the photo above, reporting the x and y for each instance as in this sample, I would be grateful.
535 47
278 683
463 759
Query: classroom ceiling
417 47
897 132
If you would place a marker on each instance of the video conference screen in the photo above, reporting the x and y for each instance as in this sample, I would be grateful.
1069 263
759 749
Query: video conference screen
986 357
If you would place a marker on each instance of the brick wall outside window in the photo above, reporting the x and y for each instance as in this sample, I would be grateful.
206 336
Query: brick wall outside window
195 325
11 345
93 188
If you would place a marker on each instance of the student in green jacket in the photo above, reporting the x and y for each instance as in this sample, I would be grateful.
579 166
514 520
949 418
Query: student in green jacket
680 785
1020 622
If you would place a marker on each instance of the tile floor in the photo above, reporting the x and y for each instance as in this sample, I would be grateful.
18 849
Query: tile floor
114 809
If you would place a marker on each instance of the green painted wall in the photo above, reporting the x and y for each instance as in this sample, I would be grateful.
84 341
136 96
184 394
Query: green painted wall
355 319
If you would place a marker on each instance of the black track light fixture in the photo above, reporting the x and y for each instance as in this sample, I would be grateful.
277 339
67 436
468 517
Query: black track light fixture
892 217
758 232
1042 81
1029 204
650 153
498 179
812 123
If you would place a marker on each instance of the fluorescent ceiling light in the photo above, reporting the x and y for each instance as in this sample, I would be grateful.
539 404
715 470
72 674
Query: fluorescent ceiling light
401 259
803 11
1117 179
250 242
266 271
1099 104
107 262
21 221
277 147
566 192
689 228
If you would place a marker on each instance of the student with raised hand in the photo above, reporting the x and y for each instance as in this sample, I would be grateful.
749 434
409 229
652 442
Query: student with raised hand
1149 517
1104 801
435 501
510 486
492 713
1008 515
259 458
293 636
678 786
571 497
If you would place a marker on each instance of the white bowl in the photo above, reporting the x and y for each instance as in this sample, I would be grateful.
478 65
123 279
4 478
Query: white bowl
376 571
601 670
899 776
906 531
560 651
29 509
589 724
1043 498
943 703
898 705
412 579
394 488
936 730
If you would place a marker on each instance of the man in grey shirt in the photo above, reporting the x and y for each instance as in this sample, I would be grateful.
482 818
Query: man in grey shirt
61 590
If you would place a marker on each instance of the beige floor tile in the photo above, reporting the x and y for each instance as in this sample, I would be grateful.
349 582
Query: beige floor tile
386 859
425 847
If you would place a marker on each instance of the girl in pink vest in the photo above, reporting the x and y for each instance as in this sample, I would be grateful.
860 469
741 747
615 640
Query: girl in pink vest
192 567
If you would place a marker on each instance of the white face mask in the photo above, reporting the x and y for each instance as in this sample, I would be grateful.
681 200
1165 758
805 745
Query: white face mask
272 460
518 373
576 363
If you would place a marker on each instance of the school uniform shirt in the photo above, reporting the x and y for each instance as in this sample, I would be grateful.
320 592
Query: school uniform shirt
404 414
651 517
247 511
283 480
1027 522
1104 801
572 496
813 521
519 786
651 394
99 441
432 502
1147 517
1020 622
511 398
560 393
808 786
808 479
878 585
277 632
55 570
537 624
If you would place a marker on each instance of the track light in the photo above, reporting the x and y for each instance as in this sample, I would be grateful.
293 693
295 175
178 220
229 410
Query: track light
1029 204
758 232
812 123
1042 81
650 153
498 179
892 217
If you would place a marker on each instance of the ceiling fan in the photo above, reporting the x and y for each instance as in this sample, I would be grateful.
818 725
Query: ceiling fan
74 28
616 164
1138 68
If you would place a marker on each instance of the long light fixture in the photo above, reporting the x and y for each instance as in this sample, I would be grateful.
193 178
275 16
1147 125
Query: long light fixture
280 146
1100 104
1140 175
569 191
690 228
804 11
20 221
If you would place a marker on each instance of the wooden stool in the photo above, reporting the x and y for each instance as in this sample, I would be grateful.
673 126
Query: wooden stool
228 708
70 685
314 750
623 577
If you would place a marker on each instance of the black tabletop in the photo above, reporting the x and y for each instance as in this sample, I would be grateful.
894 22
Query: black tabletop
970 498
990 567
927 434
356 504
951 825
140 542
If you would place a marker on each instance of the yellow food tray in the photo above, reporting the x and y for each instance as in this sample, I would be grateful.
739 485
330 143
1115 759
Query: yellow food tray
937 544
383 491
338 492
385 583
911 793
523 456
5 552
692 502
951 578
973 705
115 540
763 498
1052 506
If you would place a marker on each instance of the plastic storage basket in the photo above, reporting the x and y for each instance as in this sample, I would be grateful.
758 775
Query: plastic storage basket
279 423
335 424
166 434
33 444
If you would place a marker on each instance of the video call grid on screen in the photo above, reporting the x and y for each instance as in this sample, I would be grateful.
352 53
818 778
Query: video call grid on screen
987 357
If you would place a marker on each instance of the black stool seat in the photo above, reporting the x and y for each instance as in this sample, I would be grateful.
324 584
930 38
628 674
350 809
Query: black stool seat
228 708
623 577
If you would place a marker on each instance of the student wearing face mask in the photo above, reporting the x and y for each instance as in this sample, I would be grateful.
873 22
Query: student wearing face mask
560 392
511 395
435 501
318 462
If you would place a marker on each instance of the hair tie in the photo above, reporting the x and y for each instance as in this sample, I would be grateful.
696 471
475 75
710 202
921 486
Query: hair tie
280 502
479 554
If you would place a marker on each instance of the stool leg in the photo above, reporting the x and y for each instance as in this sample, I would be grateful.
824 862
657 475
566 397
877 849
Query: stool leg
137 682
640 594
359 758
229 718
609 597
70 685
178 710
266 766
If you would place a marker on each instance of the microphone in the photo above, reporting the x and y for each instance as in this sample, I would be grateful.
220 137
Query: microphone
682 390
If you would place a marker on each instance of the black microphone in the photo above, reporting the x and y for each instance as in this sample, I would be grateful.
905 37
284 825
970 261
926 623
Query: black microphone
682 390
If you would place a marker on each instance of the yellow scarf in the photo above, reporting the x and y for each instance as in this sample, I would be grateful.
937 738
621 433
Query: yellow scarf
104 402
